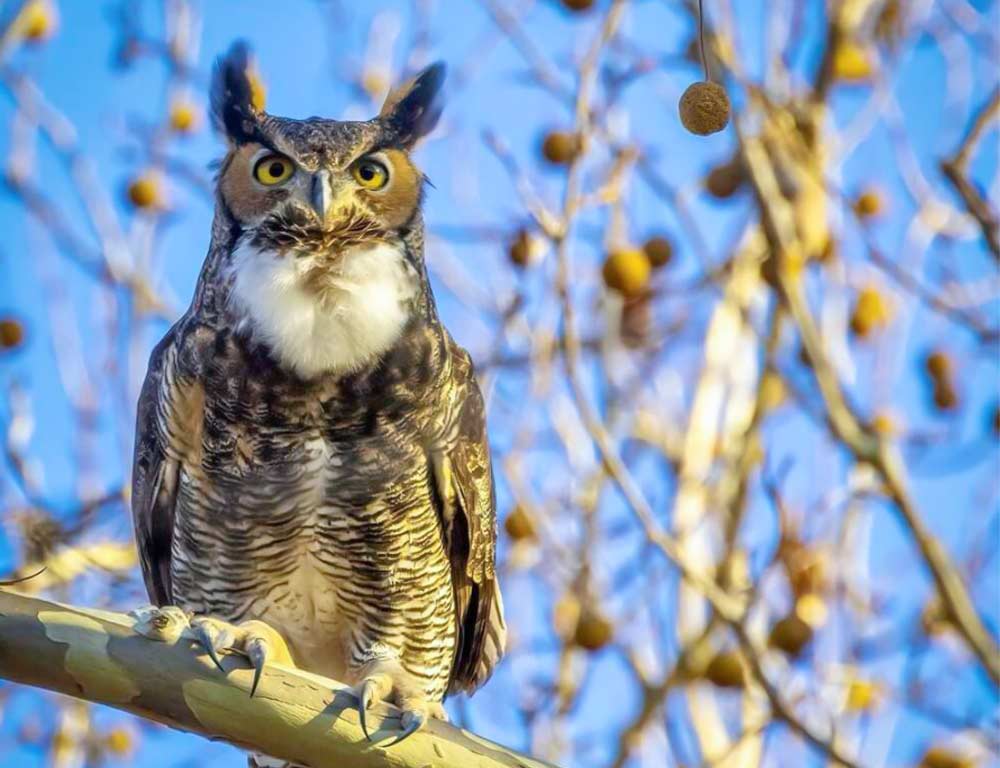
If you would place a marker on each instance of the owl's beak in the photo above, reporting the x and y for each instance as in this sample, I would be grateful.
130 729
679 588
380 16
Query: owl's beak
322 194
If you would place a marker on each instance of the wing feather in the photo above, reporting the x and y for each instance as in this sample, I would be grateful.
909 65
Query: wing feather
165 404
465 476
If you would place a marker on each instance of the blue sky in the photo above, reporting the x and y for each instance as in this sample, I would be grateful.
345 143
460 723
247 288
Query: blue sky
305 51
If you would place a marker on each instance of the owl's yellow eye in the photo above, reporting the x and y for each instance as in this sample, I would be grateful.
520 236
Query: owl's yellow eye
273 169
370 174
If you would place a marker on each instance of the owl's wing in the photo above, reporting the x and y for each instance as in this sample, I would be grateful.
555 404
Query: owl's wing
156 468
465 479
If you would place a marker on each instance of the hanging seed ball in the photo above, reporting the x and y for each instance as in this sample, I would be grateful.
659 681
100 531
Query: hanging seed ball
626 271
862 695
11 333
704 108
144 191
593 631
725 180
119 742
868 204
725 670
578 6
938 364
37 21
852 63
519 525
791 634
560 147
184 116
659 251
884 424
945 396
994 420
939 757
871 312
521 250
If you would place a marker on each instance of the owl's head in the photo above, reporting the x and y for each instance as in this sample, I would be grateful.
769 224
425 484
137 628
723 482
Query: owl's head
324 263
320 184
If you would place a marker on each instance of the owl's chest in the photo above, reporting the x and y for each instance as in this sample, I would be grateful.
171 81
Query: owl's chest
320 315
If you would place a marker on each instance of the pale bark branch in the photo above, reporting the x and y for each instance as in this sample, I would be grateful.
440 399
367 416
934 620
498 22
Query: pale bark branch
96 656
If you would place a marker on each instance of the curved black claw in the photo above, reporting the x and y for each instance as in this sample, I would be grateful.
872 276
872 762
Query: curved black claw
365 701
257 652
416 722
210 640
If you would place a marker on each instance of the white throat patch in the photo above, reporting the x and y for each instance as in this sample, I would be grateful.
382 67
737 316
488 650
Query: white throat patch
357 317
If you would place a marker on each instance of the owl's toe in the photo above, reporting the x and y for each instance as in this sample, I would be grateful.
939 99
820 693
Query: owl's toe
386 681
258 641
214 636
373 688
165 624
411 721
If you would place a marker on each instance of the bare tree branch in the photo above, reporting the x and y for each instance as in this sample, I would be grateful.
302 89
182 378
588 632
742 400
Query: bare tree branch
96 656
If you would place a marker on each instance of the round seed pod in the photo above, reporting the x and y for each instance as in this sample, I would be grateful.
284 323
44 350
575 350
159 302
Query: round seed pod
791 634
870 312
704 108
626 271
560 147
119 742
884 424
37 21
659 250
852 63
519 525
725 180
862 696
144 191
577 6
726 670
522 249
868 204
184 117
938 364
945 396
593 631
11 333
940 757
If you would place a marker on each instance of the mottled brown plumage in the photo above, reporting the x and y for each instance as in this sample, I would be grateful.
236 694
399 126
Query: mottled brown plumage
350 507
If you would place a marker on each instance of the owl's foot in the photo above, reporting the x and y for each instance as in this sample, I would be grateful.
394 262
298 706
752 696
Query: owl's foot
385 680
254 639
165 625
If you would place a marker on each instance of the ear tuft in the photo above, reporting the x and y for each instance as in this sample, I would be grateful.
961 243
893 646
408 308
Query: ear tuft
412 109
237 95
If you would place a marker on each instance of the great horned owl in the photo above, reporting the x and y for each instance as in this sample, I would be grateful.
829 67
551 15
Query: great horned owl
311 450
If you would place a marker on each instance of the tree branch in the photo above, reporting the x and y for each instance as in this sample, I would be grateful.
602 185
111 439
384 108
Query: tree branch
95 655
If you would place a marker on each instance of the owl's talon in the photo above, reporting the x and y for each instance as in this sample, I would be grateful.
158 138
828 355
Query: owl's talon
254 639
212 639
257 651
411 721
365 701
387 681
